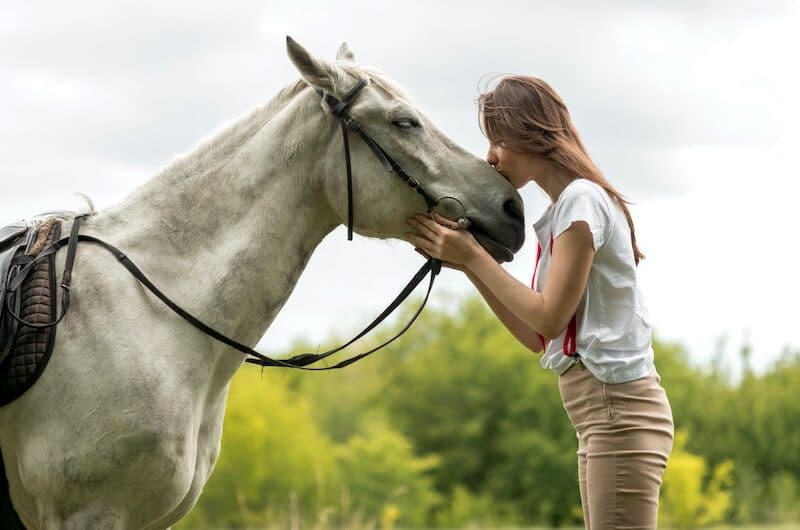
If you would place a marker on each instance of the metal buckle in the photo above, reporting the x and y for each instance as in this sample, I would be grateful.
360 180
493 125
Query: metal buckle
414 183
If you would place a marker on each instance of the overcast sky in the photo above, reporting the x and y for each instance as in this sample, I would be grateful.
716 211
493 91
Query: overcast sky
689 107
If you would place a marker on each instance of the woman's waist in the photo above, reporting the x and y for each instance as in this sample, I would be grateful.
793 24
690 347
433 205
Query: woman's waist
613 370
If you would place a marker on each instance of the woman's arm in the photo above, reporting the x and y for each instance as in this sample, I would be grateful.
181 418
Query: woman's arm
523 333
548 312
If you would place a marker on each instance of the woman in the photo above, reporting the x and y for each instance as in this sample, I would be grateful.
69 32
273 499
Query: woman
583 309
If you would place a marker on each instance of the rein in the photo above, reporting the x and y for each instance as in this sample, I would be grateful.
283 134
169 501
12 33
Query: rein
301 361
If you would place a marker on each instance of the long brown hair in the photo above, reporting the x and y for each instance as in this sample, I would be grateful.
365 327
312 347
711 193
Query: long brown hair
526 115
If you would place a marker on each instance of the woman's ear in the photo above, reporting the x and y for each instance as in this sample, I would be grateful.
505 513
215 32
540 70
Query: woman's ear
317 72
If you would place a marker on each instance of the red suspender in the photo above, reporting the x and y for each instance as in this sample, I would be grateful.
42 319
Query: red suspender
538 255
569 338
533 286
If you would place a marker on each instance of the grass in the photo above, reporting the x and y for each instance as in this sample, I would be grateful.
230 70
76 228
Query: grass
788 526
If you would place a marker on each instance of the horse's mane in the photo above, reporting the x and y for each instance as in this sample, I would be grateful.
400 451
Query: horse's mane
216 148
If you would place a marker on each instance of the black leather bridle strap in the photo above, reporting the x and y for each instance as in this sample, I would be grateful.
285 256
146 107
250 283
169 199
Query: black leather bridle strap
339 110
392 166
299 362
349 181
339 107
308 358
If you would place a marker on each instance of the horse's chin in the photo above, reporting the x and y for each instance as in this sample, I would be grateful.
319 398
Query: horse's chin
498 251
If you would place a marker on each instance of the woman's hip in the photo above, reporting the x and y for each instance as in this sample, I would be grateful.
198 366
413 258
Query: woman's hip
635 412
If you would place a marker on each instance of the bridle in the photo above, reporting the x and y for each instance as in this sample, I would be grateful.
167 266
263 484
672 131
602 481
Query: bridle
339 110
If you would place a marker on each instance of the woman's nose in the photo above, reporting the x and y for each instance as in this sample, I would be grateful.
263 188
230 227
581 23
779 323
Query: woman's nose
491 157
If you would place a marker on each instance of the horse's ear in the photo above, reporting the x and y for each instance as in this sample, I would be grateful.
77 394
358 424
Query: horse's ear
344 54
317 72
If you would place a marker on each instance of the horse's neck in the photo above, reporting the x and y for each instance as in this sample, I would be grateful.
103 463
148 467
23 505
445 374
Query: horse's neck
229 239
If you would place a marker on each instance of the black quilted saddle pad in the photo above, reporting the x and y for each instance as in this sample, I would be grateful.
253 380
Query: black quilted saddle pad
31 347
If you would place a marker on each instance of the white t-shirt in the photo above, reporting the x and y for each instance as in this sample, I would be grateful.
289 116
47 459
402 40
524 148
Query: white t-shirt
613 327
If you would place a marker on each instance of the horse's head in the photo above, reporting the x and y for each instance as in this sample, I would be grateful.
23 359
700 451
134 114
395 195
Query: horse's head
381 201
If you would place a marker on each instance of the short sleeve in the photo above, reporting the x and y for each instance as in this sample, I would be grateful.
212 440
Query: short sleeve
583 203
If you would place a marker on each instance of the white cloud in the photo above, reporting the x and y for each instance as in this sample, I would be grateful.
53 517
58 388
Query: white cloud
689 108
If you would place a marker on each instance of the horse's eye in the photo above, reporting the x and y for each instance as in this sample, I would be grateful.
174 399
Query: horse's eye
406 123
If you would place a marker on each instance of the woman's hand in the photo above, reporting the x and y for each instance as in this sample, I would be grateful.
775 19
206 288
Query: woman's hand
445 264
441 238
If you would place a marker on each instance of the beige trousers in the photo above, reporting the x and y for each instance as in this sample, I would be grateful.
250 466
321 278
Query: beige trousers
625 433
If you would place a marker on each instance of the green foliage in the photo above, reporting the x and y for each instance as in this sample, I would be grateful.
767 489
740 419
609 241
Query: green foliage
783 491
457 425
774 498
755 424
277 465
271 452
483 404
466 510
384 477
689 499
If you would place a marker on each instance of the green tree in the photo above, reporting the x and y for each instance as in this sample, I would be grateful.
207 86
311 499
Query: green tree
476 397
690 499
456 424
272 452
384 477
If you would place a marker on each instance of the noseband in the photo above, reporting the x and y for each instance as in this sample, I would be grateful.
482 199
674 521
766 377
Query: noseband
339 110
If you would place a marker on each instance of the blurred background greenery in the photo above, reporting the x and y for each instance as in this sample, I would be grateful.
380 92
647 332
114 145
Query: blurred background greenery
456 425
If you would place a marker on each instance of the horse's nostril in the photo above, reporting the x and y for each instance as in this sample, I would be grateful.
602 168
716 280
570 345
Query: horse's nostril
513 207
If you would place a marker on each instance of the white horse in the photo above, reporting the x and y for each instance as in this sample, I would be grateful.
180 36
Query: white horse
123 428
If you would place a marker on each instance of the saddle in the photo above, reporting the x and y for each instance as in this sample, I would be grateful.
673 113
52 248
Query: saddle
27 294
27 304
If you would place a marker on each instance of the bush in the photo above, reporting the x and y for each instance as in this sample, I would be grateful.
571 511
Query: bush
688 498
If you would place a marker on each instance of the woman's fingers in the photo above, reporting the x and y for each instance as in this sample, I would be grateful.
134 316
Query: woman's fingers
431 232
425 226
445 221
445 264
420 243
